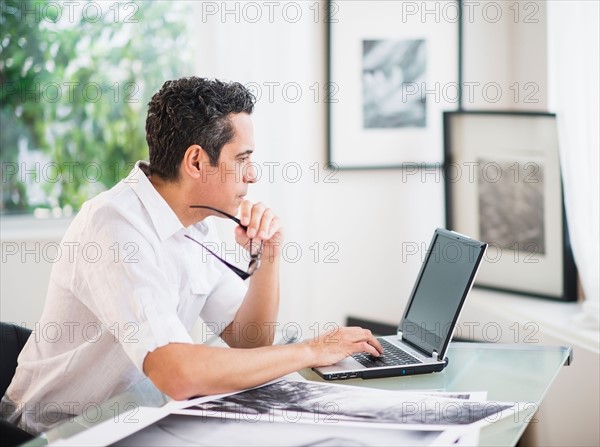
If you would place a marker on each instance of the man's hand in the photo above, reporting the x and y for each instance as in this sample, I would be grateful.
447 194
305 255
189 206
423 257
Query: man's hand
342 342
183 370
263 225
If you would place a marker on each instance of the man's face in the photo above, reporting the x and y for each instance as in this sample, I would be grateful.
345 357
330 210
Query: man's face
225 185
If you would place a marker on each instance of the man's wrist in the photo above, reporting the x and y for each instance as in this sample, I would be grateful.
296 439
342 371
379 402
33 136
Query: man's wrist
308 352
271 253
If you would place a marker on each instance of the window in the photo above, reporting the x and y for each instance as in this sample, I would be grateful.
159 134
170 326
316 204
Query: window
75 80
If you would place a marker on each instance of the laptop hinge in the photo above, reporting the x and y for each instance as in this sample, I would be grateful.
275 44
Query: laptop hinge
435 355
417 347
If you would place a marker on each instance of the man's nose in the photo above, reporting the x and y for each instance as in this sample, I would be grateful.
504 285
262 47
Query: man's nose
249 173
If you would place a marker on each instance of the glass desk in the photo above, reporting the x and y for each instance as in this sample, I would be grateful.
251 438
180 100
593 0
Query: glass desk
508 372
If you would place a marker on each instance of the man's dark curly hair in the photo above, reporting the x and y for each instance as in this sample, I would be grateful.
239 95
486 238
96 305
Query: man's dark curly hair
191 111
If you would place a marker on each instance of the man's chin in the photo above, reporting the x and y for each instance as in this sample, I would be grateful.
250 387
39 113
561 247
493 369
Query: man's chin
234 208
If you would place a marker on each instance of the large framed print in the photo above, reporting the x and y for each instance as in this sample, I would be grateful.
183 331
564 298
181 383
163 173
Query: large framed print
392 70
503 186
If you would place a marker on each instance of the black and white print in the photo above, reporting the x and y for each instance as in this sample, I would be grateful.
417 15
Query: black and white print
393 83
295 401
511 205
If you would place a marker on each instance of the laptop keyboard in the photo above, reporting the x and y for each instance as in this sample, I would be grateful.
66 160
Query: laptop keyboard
392 356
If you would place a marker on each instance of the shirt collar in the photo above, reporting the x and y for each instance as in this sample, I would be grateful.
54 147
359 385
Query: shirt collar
165 221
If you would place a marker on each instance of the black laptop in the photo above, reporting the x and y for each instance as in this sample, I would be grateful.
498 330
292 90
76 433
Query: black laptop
424 333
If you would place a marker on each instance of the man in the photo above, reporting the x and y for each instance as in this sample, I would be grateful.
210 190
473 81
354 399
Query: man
137 269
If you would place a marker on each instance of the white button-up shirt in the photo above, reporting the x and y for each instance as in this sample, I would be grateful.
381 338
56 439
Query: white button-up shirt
127 281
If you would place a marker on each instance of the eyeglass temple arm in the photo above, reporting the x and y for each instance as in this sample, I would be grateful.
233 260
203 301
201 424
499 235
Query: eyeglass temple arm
242 274
235 219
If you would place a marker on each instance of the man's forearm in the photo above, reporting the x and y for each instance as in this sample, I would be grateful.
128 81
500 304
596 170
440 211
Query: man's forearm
255 322
183 370
190 375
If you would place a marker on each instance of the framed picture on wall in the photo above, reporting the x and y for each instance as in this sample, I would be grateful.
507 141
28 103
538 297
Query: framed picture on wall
503 186
392 71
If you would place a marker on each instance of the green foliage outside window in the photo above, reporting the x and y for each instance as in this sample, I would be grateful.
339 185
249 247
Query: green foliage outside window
74 84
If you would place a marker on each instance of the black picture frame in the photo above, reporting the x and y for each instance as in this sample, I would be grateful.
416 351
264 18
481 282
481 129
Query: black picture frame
352 29
503 186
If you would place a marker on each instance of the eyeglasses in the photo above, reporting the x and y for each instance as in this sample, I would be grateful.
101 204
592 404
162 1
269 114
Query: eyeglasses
254 256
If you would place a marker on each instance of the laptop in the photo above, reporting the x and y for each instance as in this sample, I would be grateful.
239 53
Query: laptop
424 333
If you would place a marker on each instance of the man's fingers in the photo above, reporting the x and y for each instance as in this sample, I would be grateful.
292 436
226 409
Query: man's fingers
245 212
265 225
261 222
256 216
361 340
359 334
366 347
375 343
367 340
342 342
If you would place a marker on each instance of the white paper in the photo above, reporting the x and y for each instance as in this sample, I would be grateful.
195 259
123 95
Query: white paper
180 430
112 430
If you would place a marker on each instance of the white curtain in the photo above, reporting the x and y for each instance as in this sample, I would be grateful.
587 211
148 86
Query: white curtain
573 60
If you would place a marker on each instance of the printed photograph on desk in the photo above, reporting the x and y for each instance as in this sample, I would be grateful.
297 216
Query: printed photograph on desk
181 430
296 401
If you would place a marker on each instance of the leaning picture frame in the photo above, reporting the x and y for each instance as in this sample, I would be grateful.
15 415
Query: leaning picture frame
503 186
389 81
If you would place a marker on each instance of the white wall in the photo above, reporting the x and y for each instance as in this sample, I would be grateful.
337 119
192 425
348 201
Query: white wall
505 59
28 250
361 221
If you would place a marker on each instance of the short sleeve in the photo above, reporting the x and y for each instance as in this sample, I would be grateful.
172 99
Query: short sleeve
131 292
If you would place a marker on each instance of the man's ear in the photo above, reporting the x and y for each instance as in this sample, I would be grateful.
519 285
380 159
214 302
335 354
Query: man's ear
195 160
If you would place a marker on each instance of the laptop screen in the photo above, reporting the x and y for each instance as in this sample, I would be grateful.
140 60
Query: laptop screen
443 283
